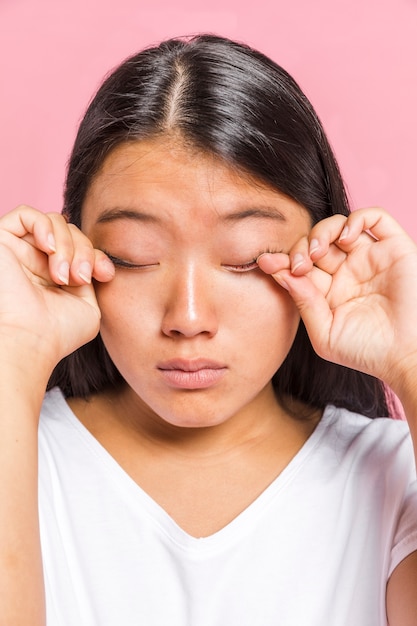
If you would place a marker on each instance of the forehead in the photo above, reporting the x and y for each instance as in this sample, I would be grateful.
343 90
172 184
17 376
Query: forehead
168 181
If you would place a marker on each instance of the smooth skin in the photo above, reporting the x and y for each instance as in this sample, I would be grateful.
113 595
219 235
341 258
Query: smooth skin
41 320
184 232
355 285
192 300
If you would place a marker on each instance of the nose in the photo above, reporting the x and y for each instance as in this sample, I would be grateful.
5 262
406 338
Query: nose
190 308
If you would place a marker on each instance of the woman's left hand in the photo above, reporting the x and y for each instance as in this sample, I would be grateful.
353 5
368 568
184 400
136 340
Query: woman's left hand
354 281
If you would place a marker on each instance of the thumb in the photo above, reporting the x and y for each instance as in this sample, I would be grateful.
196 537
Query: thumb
309 298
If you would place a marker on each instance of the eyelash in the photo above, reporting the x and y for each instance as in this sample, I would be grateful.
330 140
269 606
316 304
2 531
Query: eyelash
239 268
242 267
125 264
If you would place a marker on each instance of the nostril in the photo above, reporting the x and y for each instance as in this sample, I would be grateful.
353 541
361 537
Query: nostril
190 308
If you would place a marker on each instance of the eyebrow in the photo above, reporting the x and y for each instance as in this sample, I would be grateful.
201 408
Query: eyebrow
110 215
257 213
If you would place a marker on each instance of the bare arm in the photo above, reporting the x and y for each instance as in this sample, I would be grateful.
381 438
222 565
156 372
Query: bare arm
401 593
402 585
21 578
47 310
356 291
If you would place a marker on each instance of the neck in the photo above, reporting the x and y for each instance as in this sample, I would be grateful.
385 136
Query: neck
111 415
202 477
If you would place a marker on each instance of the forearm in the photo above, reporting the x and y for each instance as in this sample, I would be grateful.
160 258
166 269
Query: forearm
21 577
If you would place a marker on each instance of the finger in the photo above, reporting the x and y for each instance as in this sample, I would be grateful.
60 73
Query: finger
61 260
331 260
85 292
103 268
26 258
331 257
270 263
77 257
376 222
332 238
300 261
48 233
82 261
277 265
309 297
70 255
77 251
324 233
25 220
297 260
361 226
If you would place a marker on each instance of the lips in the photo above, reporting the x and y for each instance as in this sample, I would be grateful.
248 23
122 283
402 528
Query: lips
191 373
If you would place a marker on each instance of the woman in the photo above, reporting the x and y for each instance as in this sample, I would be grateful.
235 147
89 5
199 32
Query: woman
209 458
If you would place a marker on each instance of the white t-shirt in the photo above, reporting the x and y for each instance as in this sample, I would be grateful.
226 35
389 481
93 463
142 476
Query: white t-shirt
315 548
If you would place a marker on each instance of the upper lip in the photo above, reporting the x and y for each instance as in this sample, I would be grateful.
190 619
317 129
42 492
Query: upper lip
190 365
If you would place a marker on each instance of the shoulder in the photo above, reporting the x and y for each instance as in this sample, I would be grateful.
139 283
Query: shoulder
53 399
58 426
382 443
54 409
372 464
351 427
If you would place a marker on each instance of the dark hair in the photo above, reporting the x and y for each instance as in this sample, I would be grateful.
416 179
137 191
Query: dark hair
226 99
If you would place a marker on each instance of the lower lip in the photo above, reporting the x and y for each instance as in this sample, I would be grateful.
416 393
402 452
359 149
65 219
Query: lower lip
201 379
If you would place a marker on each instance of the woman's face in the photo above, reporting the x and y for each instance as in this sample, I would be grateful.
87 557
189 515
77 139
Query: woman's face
193 325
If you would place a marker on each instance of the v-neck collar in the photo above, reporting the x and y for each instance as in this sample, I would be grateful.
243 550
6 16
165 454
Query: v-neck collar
139 498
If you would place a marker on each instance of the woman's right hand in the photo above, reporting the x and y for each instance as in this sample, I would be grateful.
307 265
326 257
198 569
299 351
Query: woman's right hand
48 306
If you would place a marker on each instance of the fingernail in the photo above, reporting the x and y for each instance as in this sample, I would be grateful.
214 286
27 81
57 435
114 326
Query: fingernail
344 233
63 272
85 271
51 242
108 266
314 246
297 261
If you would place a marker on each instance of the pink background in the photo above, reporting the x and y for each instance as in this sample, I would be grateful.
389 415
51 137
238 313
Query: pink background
356 60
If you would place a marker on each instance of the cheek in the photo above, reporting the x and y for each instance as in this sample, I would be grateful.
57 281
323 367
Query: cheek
254 309
264 322
275 321
271 305
127 314
129 330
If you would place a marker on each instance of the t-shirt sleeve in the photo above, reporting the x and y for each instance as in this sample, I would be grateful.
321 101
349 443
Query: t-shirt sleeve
405 538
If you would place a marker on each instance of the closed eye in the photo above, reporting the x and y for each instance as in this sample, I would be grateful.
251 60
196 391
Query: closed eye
241 267
246 267
117 262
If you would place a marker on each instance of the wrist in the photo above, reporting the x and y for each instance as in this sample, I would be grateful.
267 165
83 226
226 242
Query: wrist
403 382
23 370
24 350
